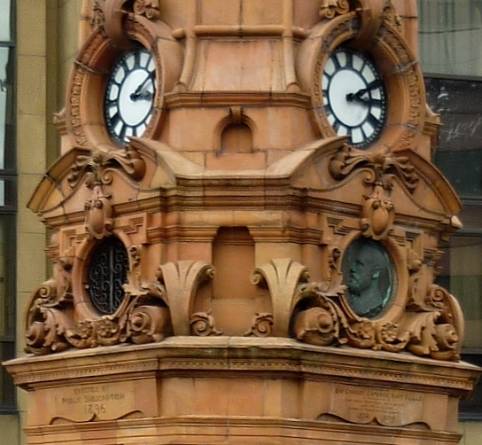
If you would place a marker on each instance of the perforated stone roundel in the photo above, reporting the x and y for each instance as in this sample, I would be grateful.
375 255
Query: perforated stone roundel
106 274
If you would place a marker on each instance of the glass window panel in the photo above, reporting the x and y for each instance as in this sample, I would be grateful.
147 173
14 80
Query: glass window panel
462 275
450 36
459 153
6 105
7 271
5 20
7 389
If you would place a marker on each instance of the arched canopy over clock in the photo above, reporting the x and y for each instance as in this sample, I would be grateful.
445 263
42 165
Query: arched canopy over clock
117 92
371 91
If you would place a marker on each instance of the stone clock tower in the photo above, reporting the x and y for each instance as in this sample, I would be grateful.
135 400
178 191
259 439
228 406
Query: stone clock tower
246 226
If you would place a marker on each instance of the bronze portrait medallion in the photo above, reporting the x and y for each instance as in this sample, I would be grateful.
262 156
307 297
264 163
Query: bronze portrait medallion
369 276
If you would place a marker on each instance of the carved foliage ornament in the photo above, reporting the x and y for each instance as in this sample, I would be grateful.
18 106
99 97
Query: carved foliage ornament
372 13
113 10
431 332
143 317
378 210
329 9
97 168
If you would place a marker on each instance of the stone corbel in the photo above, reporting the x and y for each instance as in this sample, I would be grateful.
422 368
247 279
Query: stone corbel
182 280
282 276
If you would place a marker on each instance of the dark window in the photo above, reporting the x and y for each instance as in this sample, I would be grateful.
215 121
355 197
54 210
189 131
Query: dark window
107 273
7 201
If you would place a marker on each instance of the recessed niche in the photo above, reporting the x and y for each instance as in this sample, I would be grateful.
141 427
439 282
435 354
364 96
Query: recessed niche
237 138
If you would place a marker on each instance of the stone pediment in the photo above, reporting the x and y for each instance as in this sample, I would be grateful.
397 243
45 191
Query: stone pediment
325 169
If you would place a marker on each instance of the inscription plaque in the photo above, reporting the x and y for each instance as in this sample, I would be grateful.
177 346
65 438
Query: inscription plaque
103 401
388 407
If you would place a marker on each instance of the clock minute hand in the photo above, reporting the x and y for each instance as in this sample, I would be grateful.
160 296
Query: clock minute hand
358 95
139 93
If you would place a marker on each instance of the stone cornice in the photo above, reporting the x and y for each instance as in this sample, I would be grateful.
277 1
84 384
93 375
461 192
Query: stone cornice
283 358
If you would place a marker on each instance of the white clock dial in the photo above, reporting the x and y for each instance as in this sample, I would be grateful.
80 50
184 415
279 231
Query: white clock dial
354 96
129 96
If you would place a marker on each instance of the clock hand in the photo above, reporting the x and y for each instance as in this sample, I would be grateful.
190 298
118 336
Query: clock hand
140 92
358 95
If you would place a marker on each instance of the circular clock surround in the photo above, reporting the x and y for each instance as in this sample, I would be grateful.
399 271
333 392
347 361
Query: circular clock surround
93 68
395 64
354 96
129 95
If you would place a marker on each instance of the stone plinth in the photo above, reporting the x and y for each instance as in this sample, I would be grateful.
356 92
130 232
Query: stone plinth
234 390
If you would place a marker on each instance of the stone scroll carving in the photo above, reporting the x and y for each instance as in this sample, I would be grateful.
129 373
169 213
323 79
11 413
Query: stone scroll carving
378 210
432 331
52 326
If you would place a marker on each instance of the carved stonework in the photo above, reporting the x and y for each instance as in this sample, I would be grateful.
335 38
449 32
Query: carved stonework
143 317
98 218
203 325
97 16
97 167
148 8
380 168
262 326
431 331
378 214
329 9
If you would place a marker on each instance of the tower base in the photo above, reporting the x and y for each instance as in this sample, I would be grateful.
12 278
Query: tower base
231 390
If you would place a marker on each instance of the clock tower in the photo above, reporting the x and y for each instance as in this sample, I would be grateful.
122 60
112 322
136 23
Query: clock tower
246 227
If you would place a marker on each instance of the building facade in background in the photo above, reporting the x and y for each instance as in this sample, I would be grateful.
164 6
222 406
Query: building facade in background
38 41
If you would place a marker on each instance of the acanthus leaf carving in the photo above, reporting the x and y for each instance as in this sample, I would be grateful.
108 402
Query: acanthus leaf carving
282 276
182 280
435 331
143 317
381 168
97 165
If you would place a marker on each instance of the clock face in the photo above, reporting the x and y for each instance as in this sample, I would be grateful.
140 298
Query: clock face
129 95
354 97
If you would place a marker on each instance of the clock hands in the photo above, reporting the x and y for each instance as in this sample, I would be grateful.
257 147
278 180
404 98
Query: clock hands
358 96
141 91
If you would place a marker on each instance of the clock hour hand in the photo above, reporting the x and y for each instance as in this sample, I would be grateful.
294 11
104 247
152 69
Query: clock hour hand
140 92
358 96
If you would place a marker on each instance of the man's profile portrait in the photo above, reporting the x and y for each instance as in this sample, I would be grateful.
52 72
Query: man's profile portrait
368 275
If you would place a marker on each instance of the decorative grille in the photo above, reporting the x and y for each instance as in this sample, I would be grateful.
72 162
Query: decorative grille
106 274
